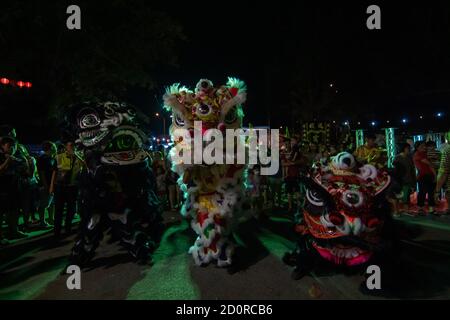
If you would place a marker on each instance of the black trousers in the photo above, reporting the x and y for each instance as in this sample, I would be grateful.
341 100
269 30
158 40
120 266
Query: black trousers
9 211
64 196
426 186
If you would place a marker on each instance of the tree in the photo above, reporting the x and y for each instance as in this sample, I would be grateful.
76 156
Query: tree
121 45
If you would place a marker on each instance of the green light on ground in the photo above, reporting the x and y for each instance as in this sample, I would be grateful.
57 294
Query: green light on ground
169 278
27 283
277 245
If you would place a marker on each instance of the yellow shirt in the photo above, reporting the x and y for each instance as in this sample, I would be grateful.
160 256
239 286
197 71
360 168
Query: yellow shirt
374 156
65 164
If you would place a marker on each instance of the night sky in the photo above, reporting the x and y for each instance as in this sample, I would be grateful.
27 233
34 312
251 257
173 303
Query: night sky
400 71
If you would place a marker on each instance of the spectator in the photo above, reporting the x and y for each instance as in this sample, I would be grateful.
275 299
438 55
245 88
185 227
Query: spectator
60 148
254 179
28 185
370 153
9 188
444 142
275 183
314 155
64 187
263 187
8 131
161 187
426 177
174 195
405 173
433 155
444 173
46 165
333 150
294 162
158 161
285 148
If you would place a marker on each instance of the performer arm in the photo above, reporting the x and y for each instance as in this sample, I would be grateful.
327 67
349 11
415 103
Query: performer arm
52 183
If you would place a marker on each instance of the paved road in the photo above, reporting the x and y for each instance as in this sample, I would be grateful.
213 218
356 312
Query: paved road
32 270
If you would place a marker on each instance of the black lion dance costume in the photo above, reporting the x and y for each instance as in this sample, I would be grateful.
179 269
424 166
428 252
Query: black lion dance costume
117 187
345 220
213 192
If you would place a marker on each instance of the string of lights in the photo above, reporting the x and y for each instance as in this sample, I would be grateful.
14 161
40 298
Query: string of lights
402 121
14 83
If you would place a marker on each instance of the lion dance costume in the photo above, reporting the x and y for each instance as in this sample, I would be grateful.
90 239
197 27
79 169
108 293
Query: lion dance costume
345 217
213 193
117 187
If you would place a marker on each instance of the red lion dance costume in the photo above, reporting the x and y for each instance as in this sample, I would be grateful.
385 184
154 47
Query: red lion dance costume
345 216
213 192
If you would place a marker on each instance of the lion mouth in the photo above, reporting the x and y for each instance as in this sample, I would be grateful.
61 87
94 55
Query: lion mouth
343 255
125 146
92 137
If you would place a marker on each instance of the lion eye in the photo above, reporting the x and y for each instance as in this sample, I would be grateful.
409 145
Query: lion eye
89 119
131 112
204 110
204 84
352 198
109 111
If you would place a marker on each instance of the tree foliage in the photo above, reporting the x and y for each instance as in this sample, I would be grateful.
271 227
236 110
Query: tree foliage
121 44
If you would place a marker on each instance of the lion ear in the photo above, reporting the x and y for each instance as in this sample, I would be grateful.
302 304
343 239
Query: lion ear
171 101
235 101
238 91
235 85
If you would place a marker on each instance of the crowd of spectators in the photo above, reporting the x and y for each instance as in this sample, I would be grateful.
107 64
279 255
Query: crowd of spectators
419 172
39 191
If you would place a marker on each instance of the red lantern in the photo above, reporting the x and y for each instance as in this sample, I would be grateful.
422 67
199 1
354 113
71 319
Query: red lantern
20 84
28 84
4 81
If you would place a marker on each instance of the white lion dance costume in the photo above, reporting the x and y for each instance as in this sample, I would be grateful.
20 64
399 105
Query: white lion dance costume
213 192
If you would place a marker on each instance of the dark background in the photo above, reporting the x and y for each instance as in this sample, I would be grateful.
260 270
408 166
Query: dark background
287 52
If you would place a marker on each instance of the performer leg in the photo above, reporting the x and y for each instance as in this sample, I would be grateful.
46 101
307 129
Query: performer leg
133 233
302 258
88 240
